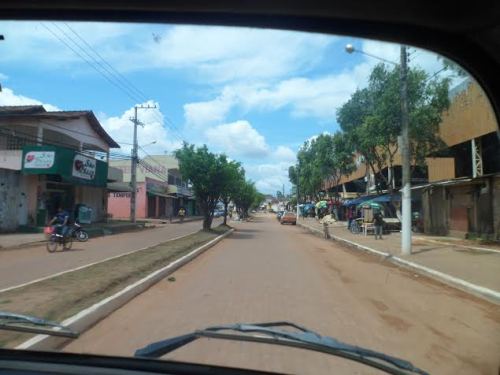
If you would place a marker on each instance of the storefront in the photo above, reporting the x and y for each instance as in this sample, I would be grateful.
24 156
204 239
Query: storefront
66 178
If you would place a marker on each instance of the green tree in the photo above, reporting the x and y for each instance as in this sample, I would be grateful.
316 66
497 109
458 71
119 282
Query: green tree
205 172
325 157
372 123
233 176
246 197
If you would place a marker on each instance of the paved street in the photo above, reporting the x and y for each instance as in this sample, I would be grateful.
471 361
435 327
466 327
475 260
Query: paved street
269 272
19 266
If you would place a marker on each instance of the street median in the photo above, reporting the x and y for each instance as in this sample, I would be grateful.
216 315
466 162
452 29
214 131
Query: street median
81 298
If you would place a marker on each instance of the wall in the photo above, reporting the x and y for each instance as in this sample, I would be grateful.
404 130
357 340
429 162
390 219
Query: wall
9 199
119 203
435 207
11 159
440 168
495 185
92 197
461 205
469 116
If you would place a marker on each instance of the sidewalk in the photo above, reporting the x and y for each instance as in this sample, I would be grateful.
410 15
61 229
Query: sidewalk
470 267
16 240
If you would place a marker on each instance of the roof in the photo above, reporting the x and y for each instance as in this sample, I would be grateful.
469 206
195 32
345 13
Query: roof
457 181
21 109
39 111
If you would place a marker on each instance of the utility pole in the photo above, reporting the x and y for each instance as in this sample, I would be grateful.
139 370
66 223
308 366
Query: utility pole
297 174
405 158
135 159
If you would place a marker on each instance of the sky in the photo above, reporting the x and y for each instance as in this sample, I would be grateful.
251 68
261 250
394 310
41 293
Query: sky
254 94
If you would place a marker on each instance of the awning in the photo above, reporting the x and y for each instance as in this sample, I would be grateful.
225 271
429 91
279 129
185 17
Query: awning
72 166
119 187
454 182
359 200
386 198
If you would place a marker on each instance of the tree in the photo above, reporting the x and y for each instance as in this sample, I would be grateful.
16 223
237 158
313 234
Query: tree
325 157
233 176
246 197
371 118
204 170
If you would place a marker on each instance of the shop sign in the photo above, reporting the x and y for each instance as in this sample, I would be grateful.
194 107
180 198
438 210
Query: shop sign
84 167
39 159
156 187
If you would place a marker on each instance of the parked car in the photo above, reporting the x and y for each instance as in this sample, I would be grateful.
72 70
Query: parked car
289 218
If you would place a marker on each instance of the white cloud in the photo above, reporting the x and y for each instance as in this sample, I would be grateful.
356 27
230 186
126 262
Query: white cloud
269 177
27 41
121 129
285 154
3 77
8 97
199 114
223 54
237 138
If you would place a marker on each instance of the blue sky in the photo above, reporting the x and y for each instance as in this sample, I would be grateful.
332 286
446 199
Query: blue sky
255 95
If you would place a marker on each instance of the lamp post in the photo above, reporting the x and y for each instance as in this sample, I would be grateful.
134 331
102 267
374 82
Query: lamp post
405 147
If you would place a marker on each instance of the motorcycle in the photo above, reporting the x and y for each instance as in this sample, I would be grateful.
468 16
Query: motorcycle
55 239
78 232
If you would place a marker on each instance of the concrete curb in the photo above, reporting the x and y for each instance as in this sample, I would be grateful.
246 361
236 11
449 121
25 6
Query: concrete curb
88 317
465 286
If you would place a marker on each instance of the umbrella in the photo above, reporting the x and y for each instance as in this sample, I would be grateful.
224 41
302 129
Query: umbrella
371 204
322 204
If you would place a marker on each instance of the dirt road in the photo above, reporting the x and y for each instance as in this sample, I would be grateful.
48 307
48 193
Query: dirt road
268 272
19 266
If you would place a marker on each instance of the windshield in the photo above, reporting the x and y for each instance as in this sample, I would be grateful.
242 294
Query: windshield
160 179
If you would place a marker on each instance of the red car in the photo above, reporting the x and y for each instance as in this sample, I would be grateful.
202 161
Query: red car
289 218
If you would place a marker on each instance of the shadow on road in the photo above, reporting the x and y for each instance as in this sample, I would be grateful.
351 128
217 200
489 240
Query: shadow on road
239 235
248 230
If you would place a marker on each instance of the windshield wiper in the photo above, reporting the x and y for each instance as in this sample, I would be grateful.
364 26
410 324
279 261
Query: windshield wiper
25 323
269 333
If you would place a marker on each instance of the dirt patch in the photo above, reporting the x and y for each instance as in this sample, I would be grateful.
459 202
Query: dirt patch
62 296
395 322
379 305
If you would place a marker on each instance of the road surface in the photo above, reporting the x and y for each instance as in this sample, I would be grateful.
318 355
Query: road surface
18 266
267 272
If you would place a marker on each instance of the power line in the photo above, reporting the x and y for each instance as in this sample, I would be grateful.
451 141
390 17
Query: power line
105 70
85 59
121 82
130 84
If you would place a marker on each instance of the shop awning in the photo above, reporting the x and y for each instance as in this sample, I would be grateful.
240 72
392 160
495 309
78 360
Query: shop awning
359 200
119 187
72 166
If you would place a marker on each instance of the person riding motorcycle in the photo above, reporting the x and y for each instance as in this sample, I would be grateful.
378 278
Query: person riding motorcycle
61 220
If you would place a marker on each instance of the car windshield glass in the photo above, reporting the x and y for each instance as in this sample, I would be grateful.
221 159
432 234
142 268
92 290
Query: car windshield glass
159 179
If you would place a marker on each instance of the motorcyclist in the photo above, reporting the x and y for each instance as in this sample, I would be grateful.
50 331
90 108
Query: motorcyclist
61 220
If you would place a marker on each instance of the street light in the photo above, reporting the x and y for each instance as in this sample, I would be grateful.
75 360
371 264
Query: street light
405 147
148 144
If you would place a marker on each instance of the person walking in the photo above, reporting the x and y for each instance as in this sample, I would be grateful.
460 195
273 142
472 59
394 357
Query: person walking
378 222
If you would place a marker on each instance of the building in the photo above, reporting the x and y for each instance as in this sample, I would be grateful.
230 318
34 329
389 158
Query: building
50 159
161 191
463 195
458 192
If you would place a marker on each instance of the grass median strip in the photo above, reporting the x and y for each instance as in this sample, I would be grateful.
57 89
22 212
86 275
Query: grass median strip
61 297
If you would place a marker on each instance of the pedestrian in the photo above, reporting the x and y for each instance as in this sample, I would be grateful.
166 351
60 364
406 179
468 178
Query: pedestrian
378 221
326 232
350 217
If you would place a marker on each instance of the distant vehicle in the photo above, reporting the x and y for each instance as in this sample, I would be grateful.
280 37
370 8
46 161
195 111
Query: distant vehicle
289 218
279 214
218 213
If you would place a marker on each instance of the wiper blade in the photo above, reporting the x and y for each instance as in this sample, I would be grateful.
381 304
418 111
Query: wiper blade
26 323
269 333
